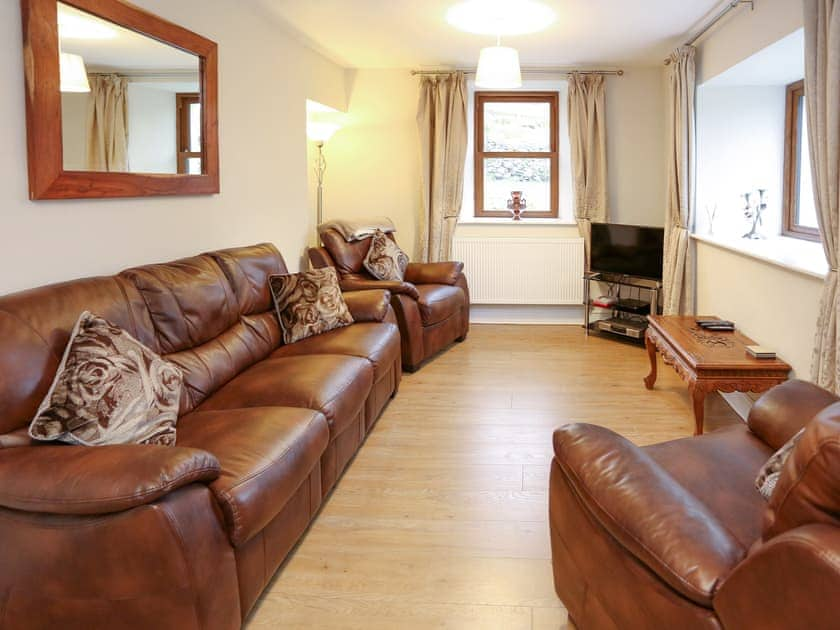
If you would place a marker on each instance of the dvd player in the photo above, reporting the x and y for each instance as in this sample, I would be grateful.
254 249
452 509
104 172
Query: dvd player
627 327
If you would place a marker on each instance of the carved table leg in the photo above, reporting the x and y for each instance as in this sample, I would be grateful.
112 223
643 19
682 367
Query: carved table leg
698 399
650 379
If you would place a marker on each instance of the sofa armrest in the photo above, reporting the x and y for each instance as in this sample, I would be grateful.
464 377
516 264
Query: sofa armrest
368 306
99 479
433 273
780 413
791 581
646 511
398 288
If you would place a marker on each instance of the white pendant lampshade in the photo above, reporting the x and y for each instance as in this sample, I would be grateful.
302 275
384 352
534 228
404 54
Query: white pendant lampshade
73 73
498 67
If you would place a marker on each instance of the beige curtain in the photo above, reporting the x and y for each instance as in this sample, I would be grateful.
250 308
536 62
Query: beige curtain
822 98
677 279
107 124
588 140
442 121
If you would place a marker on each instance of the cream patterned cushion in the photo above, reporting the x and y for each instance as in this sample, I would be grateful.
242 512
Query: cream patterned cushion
309 303
772 469
109 389
385 260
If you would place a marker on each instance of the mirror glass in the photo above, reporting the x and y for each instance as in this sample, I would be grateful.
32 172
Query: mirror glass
129 103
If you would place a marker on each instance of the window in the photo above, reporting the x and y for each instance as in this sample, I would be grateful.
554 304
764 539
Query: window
190 152
516 149
799 215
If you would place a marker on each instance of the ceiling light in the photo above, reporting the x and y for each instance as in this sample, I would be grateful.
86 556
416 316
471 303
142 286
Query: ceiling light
77 25
500 17
73 73
498 68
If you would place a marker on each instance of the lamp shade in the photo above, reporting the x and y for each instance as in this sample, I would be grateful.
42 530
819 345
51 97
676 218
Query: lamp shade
498 67
320 131
73 73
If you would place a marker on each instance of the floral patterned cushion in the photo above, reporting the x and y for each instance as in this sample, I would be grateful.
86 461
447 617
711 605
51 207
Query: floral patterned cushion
769 474
385 260
109 389
309 303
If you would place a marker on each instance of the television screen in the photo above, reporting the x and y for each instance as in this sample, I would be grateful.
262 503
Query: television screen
627 249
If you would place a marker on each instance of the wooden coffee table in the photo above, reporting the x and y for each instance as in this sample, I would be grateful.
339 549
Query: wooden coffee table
708 361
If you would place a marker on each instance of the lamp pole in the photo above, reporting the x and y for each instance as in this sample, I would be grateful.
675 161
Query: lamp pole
320 169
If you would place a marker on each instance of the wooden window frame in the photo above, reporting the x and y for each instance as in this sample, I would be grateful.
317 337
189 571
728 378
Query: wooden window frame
183 100
480 155
793 124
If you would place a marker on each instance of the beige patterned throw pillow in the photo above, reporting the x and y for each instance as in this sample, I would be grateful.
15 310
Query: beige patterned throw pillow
769 474
109 389
385 260
309 303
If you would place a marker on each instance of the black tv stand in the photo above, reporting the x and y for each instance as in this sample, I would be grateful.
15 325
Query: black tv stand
628 316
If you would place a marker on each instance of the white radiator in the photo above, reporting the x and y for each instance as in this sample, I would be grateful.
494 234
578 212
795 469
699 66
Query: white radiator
522 270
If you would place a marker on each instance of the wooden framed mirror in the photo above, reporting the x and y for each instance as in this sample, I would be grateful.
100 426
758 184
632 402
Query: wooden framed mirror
119 102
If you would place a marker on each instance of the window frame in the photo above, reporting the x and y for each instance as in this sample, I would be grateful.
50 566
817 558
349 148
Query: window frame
793 128
479 155
183 100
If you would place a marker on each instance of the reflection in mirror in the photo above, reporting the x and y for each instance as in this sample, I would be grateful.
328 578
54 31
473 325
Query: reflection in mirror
118 86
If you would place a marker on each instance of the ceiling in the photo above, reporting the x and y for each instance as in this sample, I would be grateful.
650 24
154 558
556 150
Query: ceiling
414 33
124 50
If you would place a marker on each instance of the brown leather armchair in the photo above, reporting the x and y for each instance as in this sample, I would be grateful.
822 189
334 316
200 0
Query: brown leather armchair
675 535
432 304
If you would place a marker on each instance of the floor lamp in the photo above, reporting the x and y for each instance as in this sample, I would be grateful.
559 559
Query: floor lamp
319 133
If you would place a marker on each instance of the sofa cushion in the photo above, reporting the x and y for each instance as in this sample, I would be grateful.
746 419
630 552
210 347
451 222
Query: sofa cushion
438 302
109 389
335 385
264 453
247 270
719 468
309 303
379 343
385 260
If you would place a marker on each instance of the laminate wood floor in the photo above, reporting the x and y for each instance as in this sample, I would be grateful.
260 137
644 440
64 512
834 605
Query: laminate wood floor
441 519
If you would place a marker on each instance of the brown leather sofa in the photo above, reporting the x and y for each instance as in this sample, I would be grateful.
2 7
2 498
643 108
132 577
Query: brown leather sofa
432 305
675 535
186 536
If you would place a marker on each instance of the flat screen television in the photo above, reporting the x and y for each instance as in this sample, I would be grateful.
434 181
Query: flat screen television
631 250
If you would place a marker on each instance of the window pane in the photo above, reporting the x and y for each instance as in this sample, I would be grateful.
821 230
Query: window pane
194 166
195 127
530 175
520 127
806 212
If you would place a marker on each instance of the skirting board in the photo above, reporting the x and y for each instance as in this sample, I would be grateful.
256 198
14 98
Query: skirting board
526 314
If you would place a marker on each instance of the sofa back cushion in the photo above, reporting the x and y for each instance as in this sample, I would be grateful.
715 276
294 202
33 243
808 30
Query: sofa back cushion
197 316
349 257
808 489
247 269
35 326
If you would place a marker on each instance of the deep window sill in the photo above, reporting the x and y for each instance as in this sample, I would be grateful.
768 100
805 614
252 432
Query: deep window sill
794 254
505 221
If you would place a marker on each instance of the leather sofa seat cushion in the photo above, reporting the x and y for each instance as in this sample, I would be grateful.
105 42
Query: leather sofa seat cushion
265 454
379 343
335 385
719 468
438 302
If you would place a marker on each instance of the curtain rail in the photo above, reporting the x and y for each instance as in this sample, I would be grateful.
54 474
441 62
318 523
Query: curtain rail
734 4
561 71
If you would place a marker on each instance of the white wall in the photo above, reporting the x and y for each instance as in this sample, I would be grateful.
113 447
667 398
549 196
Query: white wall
373 163
265 77
775 306
740 148
152 127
